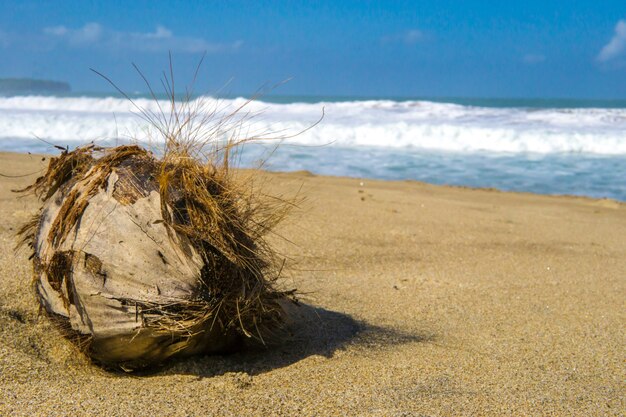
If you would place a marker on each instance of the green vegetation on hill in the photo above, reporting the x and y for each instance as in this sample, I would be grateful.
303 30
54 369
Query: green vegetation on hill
9 86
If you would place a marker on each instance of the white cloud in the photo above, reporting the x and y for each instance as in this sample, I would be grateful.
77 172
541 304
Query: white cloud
533 59
162 39
617 44
87 35
412 36
409 37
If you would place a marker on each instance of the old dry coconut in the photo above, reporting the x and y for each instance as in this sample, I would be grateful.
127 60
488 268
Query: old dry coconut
138 259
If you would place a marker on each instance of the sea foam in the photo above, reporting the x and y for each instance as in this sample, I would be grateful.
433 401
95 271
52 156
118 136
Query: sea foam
545 150
375 123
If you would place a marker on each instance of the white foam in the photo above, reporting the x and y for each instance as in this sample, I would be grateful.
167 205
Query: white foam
377 123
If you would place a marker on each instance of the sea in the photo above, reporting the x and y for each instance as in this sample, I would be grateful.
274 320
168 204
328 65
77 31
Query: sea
571 147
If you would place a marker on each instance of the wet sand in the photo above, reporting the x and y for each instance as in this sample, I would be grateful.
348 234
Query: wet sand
418 300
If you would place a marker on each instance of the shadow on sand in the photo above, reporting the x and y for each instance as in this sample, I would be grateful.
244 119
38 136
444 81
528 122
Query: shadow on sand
313 331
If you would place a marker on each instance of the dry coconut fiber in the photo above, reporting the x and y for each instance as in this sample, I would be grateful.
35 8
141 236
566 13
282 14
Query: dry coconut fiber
139 258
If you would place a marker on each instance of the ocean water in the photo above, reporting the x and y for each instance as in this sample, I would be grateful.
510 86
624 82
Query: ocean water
544 146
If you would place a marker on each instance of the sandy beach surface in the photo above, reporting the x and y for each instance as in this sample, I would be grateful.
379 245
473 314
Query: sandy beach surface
419 300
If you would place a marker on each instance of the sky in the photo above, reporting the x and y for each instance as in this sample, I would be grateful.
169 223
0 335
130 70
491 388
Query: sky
443 48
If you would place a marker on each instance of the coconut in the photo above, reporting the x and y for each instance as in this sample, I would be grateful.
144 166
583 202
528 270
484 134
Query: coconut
138 258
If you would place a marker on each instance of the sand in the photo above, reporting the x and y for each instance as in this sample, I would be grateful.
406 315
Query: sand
418 300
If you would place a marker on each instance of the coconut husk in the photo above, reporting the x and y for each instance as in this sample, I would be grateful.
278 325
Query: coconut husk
138 259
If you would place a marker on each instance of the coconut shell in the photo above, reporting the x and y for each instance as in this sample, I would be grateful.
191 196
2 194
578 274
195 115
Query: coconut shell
118 272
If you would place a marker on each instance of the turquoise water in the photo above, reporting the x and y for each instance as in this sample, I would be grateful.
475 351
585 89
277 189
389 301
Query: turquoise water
548 146
560 174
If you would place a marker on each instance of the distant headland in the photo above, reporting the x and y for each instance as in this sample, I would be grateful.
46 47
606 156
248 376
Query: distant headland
12 86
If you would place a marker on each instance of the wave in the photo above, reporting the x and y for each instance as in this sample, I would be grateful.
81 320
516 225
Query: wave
374 123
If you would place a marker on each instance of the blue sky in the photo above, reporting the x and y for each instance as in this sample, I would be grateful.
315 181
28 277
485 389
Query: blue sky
463 48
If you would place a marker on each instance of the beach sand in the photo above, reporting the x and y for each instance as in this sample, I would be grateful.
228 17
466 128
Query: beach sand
418 300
